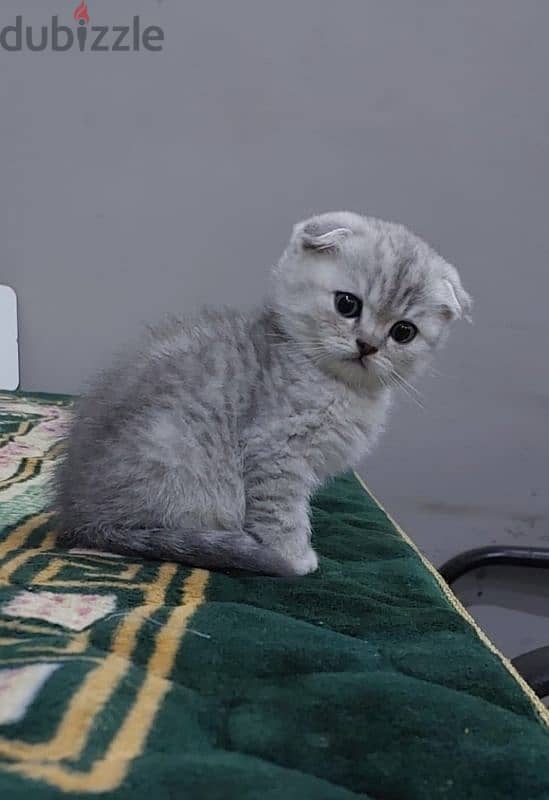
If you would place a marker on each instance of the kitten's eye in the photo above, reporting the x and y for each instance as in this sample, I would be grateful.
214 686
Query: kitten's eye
403 331
348 305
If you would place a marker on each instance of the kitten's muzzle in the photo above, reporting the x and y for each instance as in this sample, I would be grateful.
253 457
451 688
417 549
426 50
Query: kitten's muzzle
365 348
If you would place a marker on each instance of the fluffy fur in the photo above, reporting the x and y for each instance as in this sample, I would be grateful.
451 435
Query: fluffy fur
204 444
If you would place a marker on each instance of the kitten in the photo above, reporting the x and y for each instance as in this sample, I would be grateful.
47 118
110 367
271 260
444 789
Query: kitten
205 443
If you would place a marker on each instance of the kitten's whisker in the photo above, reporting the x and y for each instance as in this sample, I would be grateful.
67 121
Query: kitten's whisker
407 383
397 382
382 381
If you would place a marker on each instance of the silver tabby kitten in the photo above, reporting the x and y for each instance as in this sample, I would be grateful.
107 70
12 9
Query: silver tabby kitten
205 444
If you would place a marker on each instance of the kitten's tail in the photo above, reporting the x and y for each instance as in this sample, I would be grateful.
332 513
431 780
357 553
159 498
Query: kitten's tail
204 549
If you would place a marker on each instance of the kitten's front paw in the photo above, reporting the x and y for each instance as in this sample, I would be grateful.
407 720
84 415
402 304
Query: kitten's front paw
305 564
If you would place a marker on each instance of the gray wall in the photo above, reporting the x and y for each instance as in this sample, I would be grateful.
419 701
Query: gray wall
137 184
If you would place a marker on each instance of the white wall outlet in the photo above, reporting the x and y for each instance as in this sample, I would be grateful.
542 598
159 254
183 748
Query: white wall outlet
9 347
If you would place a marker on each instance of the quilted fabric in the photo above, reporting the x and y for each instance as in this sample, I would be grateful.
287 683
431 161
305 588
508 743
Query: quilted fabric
134 679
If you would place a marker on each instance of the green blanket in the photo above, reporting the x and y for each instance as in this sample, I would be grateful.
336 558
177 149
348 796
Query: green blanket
141 679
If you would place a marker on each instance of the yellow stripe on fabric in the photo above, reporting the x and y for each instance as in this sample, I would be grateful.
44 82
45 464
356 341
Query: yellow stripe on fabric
54 451
28 661
29 469
96 690
78 644
5 641
108 772
8 569
540 709
22 430
92 571
45 630
19 536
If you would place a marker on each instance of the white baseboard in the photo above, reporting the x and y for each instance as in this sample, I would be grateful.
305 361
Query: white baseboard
9 347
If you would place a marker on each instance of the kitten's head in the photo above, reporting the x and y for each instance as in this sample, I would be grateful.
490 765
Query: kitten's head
367 300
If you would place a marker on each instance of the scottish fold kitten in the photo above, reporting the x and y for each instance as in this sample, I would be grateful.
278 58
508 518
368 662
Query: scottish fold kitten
204 444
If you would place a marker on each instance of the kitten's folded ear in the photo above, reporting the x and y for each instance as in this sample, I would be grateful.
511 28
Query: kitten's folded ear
322 234
457 302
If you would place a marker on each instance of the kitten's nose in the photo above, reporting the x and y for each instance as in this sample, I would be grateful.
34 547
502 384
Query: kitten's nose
365 349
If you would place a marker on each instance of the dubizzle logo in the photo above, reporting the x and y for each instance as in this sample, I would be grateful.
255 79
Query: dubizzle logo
85 37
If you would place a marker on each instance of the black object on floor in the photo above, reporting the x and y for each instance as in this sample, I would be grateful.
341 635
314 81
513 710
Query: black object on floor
533 665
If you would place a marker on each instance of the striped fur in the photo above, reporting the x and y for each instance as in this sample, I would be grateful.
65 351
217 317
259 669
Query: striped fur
205 442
